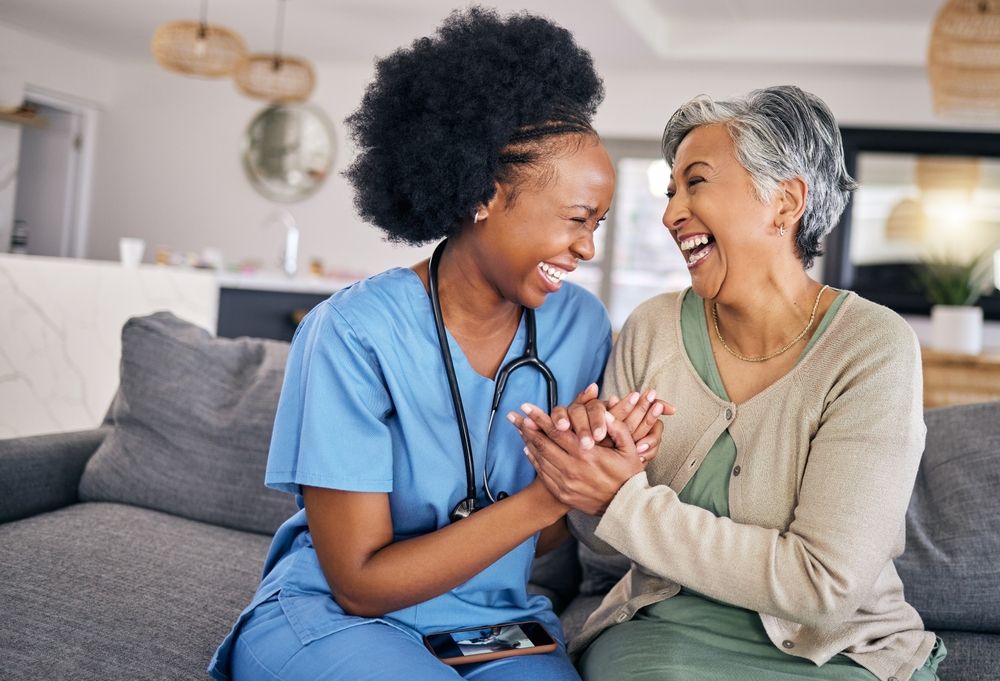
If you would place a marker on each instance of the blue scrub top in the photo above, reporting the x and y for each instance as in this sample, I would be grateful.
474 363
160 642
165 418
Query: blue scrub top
365 406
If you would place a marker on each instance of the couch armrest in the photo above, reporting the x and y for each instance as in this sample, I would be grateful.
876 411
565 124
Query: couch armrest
42 473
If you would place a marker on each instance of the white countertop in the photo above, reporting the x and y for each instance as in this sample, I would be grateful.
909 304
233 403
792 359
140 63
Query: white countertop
274 280
62 319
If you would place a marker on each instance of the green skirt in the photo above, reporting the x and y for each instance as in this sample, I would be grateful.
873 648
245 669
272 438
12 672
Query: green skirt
691 638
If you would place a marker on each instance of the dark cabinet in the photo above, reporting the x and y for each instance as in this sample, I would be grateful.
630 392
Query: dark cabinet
263 314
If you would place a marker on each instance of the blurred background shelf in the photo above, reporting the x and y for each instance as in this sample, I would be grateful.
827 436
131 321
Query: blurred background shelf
960 379
23 116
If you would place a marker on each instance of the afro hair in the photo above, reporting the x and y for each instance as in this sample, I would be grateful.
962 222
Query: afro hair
455 113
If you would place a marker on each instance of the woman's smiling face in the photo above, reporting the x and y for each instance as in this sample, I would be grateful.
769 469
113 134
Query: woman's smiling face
724 231
529 245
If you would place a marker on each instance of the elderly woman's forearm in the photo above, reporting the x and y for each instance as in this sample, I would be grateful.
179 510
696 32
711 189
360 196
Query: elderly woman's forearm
818 569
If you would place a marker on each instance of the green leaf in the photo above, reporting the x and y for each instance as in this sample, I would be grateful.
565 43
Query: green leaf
950 282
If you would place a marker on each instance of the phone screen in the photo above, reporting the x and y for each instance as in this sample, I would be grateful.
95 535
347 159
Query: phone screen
492 639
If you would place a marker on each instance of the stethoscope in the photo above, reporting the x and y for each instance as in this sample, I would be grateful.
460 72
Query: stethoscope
469 504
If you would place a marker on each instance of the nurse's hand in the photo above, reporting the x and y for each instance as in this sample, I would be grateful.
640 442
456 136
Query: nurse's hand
585 479
640 412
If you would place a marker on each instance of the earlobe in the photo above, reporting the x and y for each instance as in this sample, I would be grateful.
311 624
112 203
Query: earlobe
480 213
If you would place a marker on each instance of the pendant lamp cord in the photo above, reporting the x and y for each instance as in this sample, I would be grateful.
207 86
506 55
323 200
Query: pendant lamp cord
279 29
203 26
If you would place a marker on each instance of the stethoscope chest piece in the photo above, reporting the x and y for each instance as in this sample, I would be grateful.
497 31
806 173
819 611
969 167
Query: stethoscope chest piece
465 508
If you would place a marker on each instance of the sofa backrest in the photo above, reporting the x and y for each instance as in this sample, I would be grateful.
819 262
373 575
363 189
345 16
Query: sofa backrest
951 566
191 424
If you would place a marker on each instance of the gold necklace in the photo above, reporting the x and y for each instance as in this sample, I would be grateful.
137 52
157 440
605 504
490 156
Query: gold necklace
764 358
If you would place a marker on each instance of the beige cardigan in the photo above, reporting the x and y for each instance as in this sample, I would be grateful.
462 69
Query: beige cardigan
826 461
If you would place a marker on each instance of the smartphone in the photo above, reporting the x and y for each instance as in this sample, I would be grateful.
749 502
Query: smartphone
480 644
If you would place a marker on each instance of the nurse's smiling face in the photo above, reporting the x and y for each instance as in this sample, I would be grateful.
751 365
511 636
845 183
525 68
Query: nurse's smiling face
526 247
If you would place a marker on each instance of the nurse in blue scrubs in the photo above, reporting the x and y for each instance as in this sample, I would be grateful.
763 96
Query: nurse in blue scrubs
480 135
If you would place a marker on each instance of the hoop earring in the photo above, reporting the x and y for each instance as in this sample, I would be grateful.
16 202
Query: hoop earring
781 230
475 218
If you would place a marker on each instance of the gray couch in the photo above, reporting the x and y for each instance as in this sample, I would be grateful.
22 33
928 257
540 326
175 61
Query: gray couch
127 551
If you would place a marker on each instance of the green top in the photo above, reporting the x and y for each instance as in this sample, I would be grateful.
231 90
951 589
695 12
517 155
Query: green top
691 637
709 488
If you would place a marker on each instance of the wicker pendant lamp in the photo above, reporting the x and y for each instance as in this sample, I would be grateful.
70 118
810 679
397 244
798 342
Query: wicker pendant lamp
197 48
276 77
963 60
956 174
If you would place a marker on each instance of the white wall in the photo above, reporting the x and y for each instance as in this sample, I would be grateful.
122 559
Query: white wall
638 103
42 64
38 61
169 171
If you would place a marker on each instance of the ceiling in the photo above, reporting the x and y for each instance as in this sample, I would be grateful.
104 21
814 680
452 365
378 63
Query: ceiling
620 33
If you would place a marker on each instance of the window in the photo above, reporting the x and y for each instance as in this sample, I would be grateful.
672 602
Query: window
636 256
923 194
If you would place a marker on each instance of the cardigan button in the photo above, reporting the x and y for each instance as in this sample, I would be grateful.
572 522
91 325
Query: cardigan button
729 414
789 645
736 471
622 616
892 678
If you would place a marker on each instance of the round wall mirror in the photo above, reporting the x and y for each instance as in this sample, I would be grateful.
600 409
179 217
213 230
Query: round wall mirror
288 151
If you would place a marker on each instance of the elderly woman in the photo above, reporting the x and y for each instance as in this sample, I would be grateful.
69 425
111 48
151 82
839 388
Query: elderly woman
762 536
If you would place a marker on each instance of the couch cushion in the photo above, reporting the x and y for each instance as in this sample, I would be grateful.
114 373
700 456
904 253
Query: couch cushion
971 657
949 569
106 591
556 575
576 613
601 571
191 425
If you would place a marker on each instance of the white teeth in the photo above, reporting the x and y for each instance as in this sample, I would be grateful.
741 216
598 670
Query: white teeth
700 255
553 274
694 242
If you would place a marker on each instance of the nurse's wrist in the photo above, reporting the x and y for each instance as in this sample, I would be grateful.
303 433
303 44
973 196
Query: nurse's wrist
547 508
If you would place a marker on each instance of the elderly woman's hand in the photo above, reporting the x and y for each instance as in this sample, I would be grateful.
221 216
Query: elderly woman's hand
640 412
586 479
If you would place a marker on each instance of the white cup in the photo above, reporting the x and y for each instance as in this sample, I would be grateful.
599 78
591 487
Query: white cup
130 251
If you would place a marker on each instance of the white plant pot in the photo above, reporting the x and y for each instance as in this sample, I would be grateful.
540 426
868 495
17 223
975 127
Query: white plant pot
957 328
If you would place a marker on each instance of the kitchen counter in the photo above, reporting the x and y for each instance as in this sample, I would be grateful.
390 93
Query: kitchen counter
61 321
273 280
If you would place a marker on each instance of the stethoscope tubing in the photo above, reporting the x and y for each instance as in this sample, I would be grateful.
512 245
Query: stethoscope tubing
449 368
528 358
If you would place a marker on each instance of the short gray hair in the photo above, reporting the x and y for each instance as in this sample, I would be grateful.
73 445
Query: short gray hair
779 133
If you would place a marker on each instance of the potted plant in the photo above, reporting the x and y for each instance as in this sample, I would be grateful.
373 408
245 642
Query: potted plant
953 287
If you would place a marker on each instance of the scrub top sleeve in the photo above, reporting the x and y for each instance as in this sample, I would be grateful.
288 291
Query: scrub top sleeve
331 429
601 359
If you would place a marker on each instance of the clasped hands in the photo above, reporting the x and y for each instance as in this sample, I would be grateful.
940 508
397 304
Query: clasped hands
585 452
